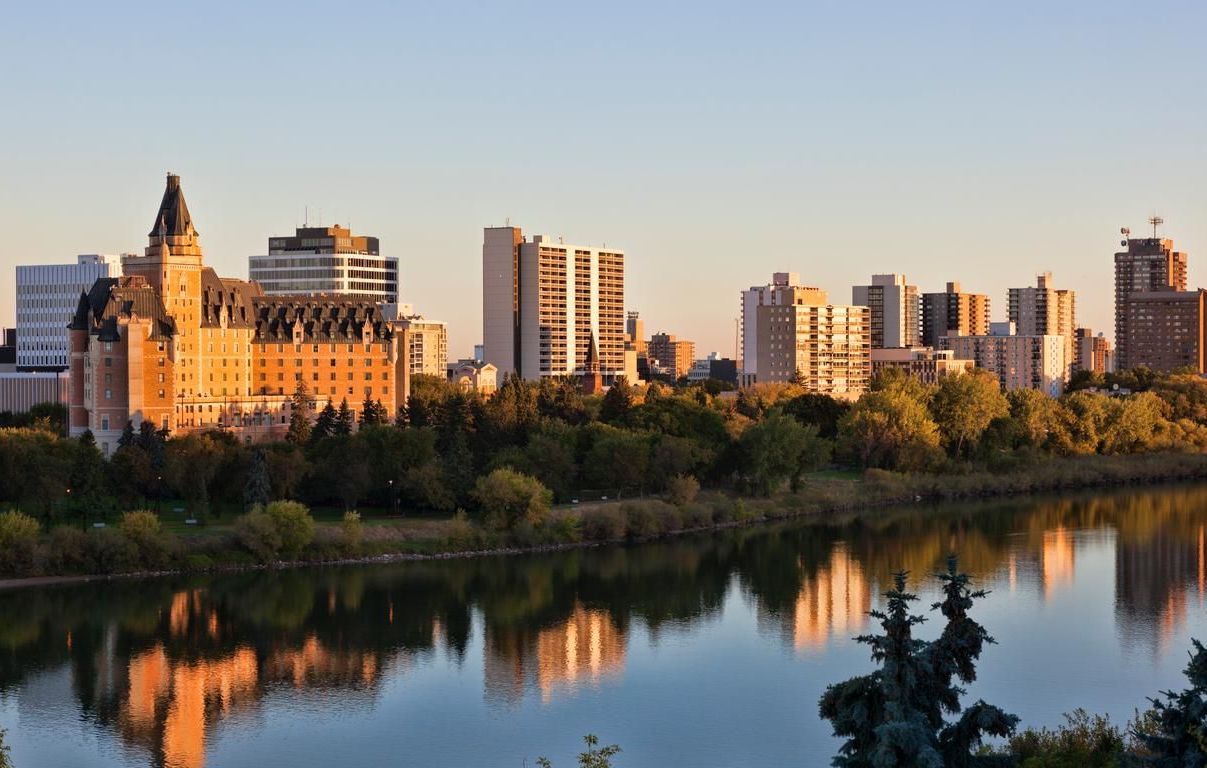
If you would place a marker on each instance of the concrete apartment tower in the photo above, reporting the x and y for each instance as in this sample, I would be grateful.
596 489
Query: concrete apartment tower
1149 265
1043 310
326 261
953 313
894 311
752 298
801 336
542 300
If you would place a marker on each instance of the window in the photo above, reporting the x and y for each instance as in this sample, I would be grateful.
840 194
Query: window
108 394
108 361
105 423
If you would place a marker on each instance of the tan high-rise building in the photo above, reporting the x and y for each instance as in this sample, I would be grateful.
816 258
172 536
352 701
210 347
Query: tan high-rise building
800 336
1018 362
953 313
1149 264
748 329
1043 310
894 309
425 345
543 300
671 355
1094 353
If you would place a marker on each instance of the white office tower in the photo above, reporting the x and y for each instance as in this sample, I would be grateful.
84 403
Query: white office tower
47 297
326 261
894 311
544 300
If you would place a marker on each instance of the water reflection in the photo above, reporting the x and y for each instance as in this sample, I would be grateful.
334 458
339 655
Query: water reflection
163 664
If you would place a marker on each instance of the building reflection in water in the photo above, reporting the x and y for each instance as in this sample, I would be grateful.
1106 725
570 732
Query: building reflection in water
1057 559
833 600
1156 578
587 647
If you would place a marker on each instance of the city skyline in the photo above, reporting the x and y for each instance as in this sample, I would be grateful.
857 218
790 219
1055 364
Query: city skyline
817 141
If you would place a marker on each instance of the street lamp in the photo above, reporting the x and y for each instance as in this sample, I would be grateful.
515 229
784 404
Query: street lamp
393 497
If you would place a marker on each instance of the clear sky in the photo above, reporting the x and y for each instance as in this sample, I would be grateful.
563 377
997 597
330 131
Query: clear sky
714 142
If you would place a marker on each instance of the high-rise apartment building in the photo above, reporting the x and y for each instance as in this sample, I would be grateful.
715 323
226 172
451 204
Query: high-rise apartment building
800 336
1043 310
326 261
174 344
671 355
953 313
1149 264
1093 353
543 300
425 344
47 295
748 331
1018 362
1166 330
893 306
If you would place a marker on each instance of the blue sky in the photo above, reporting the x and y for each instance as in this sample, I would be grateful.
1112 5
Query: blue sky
716 143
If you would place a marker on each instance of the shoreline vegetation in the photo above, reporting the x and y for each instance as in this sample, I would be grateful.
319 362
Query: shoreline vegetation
637 520
538 465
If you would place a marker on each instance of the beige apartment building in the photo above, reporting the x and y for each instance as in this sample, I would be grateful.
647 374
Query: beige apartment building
1043 310
426 344
894 305
671 355
544 299
953 313
800 335
927 365
1018 362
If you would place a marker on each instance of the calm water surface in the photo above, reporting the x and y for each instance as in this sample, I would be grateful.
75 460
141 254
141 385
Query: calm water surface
709 651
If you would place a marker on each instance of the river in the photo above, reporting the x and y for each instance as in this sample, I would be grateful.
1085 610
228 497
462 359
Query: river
706 651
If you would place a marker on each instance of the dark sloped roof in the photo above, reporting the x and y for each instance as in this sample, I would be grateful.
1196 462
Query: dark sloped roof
321 319
113 298
221 296
173 217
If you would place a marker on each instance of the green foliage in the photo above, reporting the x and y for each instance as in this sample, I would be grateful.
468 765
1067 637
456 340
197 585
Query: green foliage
299 415
895 716
1083 742
595 756
617 402
682 490
193 462
507 497
143 529
352 531
779 448
258 489
964 406
891 427
294 525
257 533
1176 732
5 756
18 542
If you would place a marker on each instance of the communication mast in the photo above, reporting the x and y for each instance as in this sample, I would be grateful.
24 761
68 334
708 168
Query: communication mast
1156 221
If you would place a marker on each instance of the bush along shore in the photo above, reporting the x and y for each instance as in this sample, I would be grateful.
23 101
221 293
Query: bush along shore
517 517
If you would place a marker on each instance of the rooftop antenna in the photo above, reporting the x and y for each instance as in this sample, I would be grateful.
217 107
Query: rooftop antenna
306 217
1156 221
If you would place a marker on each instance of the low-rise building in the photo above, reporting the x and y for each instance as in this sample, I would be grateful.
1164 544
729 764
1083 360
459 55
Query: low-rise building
474 375
926 364
22 390
1018 362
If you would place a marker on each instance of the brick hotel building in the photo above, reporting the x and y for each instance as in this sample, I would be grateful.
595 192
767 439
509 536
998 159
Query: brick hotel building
173 343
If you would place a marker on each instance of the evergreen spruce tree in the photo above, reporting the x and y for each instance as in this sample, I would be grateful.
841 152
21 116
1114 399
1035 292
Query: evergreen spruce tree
324 425
258 489
1177 737
617 401
373 412
299 415
894 717
128 437
344 419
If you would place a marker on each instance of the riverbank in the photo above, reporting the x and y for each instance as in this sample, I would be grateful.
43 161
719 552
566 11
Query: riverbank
611 522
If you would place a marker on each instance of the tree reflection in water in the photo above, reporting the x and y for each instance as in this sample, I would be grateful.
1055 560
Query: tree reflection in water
163 662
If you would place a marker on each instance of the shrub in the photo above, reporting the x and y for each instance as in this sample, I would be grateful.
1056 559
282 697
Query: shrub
507 497
640 520
1083 742
257 533
67 550
566 529
111 551
461 532
682 490
143 529
697 515
603 524
352 531
18 543
294 525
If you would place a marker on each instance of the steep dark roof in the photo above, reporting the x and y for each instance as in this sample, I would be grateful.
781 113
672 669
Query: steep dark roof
321 319
221 296
113 298
173 217
591 365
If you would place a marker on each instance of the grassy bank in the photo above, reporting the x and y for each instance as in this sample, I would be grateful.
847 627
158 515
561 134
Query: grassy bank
70 552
